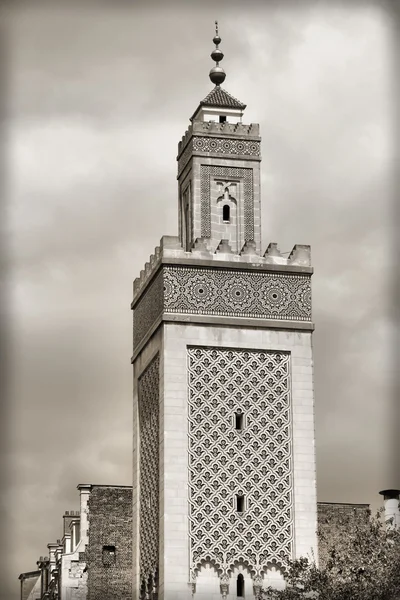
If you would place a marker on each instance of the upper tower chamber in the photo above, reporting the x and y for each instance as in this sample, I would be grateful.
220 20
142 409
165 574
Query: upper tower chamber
219 171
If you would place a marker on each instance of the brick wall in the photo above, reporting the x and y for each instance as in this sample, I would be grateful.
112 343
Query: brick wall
109 552
334 520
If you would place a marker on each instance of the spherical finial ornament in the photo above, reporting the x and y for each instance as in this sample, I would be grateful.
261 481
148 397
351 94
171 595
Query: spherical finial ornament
217 55
216 38
217 75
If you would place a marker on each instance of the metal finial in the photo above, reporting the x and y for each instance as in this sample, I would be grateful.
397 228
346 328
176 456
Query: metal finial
216 39
217 73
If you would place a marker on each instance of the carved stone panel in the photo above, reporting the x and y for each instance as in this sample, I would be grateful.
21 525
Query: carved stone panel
227 173
249 294
148 309
253 462
223 146
149 471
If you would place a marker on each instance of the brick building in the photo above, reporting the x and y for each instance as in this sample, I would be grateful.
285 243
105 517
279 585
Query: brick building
93 559
102 568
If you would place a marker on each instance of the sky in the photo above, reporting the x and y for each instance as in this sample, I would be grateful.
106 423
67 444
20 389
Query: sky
94 103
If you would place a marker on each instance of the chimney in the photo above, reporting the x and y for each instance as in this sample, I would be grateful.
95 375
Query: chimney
391 500
84 492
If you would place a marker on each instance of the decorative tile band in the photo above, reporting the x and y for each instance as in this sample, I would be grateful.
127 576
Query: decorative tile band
148 310
227 293
238 147
180 290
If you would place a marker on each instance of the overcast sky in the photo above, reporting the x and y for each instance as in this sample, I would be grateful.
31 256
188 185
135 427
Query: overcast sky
96 104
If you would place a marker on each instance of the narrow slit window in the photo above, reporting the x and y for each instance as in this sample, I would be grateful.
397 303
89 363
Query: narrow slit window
108 555
239 421
226 213
239 503
222 119
240 586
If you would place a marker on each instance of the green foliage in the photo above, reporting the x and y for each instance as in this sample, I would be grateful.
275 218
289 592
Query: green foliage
363 563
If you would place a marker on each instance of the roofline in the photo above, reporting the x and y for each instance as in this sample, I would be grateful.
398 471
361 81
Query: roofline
343 503
106 485
231 108
29 574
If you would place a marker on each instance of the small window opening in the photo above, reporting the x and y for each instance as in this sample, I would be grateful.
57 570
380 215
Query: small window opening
108 555
226 213
239 503
222 119
240 586
239 421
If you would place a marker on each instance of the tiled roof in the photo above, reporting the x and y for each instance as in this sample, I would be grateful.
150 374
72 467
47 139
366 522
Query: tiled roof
220 97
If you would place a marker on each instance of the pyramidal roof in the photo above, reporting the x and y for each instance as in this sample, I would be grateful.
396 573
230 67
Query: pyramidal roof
222 99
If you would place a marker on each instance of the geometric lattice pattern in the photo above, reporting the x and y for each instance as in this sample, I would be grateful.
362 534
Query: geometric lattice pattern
254 462
226 146
251 294
222 293
149 471
148 309
206 172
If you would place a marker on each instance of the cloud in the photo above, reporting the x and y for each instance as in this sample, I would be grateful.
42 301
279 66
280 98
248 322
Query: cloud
97 104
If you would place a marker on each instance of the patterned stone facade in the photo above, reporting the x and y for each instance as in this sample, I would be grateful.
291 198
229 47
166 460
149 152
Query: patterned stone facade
253 462
214 156
228 174
232 140
149 474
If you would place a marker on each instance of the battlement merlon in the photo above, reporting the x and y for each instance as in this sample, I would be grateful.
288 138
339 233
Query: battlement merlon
170 251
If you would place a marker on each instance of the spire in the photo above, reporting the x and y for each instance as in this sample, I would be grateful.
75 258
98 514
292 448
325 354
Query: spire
217 73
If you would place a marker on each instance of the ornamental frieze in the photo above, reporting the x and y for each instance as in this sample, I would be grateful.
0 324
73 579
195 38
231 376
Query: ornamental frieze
236 147
220 293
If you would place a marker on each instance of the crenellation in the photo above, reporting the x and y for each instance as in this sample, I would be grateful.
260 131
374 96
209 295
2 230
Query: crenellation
200 247
223 248
170 248
300 255
249 249
236 130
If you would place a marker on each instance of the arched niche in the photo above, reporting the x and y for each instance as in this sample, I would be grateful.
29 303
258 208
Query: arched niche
240 582
207 582
273 577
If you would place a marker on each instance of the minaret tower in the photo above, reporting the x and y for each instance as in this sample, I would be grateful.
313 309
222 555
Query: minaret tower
224 489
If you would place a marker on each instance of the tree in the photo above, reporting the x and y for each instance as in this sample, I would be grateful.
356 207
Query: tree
362 563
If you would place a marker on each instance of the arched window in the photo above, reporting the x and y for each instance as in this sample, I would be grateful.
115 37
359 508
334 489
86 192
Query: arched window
240 586
226 213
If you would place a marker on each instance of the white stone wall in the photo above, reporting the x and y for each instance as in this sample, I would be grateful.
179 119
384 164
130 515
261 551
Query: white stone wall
174 543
